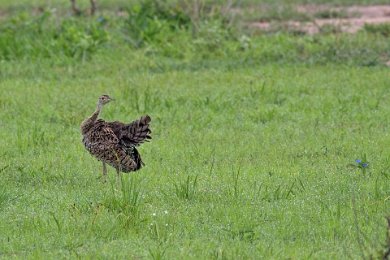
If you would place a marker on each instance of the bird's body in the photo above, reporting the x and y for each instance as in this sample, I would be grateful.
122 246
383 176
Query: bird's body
115 143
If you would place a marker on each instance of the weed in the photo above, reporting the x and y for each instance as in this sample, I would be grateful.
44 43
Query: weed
246 234
381 29
57 221
279 191
362 164
186 189
330 29
127 202
80 41
158 252
159 231
331 14
150 21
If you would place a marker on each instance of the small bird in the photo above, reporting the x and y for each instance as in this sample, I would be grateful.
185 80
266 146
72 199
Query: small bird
114 143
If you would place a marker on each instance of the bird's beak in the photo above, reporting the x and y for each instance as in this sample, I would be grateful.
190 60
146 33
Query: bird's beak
112 99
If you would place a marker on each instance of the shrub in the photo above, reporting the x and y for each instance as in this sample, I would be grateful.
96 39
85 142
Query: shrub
152 20
36 37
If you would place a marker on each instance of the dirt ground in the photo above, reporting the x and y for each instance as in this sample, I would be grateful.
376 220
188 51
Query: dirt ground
354 18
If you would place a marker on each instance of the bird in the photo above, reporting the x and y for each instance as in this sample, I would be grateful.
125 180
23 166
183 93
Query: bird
114 143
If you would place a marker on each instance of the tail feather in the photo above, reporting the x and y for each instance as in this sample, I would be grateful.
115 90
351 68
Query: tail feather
137 131
137 159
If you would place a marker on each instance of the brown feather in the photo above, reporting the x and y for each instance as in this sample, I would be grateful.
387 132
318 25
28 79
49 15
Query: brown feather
114 142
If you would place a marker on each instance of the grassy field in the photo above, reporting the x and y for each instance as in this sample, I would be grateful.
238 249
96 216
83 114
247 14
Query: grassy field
255 138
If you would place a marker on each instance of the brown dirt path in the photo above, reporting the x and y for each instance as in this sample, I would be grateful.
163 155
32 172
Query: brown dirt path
356 18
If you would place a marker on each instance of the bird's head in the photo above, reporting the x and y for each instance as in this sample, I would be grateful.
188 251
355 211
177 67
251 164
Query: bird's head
104 99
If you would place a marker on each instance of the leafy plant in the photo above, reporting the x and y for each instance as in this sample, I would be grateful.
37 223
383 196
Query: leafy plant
38 37
80 40
151 20
362 164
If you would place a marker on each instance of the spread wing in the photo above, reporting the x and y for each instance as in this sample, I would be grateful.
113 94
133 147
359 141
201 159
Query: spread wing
114 142
133 134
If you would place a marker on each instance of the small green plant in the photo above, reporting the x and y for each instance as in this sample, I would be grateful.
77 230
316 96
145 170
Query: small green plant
330 29
186 189
382 29
159 231
128 200
362 164
157 252
212 38
331 13
280 191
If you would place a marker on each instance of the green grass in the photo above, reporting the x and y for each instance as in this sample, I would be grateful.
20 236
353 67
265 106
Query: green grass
250 158
269 148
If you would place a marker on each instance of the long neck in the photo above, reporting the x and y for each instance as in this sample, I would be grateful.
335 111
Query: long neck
96 114
88 123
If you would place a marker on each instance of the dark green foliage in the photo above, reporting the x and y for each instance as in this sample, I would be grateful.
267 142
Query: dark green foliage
80 40
151 20
26 37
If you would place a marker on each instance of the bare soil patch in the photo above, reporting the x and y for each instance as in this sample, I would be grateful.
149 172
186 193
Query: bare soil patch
345 19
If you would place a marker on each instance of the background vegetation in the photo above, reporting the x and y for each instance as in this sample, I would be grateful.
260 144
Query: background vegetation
255 134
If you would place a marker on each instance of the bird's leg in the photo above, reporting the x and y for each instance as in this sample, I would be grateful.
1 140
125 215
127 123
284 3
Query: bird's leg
104 171
118 174
118 166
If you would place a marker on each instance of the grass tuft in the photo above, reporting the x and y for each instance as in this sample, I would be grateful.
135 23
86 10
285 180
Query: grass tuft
127 202
186 189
